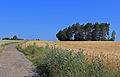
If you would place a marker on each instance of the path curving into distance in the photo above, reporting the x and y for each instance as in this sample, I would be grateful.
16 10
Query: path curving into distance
14 63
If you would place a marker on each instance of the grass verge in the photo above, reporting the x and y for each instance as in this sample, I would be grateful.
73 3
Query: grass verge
55 62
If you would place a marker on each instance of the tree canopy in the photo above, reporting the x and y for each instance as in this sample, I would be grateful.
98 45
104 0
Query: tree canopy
15 37
87 32
6 38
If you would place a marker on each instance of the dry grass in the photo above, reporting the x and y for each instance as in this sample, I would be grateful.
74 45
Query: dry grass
92 48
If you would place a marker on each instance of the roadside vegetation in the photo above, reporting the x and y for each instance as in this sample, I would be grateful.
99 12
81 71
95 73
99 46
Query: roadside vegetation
55 62
3 43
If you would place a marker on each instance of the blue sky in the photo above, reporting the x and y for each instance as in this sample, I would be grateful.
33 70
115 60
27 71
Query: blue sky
31 19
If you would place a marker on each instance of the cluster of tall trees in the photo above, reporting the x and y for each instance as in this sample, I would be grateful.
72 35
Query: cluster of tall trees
87 32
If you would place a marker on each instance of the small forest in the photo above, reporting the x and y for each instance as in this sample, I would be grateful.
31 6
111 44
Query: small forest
87 32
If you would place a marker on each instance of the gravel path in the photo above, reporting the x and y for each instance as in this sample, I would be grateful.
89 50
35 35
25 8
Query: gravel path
14 63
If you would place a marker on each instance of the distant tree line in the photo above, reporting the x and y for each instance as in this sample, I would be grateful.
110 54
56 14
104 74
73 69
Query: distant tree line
14 38
87 32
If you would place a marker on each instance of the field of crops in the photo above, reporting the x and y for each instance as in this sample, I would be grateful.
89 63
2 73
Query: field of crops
90 47
54 60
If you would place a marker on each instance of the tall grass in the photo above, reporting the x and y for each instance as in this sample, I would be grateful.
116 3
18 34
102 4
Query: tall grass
55 62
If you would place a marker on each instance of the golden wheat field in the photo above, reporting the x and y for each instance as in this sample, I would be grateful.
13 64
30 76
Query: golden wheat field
92 48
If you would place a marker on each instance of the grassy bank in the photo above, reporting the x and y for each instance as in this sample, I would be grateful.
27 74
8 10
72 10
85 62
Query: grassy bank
3 46
55 62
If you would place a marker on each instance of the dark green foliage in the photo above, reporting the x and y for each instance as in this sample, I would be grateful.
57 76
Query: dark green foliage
107 30
69 33
61 36
88 28
14 38
6 38
113 35
93 32
55 62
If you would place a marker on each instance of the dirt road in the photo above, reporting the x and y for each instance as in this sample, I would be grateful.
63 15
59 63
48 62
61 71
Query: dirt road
14 63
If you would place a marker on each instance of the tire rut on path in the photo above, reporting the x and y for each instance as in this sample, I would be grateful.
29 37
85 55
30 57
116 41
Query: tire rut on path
14 63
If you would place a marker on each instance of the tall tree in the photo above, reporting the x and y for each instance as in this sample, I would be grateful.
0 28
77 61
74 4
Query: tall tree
95 33
113 35
69 33
103 37
97 28
77 37
61 36
89 34
87 29
81 32
15 37
107 30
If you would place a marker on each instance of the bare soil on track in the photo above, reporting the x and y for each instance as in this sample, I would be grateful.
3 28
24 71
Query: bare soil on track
14 63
